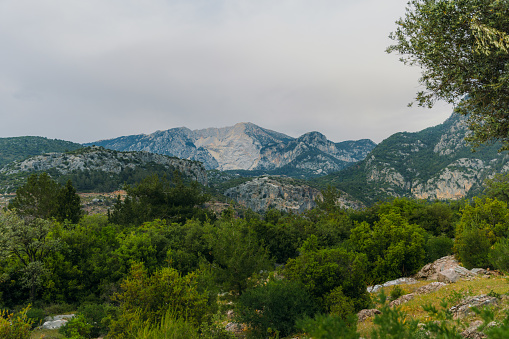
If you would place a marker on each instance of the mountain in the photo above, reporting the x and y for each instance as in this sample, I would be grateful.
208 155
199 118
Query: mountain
99 169
248 147
19 148
435 163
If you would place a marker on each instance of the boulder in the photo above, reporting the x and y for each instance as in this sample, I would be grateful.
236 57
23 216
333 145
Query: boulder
400 281
365 314
53 323
448 276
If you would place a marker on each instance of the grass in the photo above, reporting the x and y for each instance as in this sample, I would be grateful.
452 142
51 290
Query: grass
452 293
46 334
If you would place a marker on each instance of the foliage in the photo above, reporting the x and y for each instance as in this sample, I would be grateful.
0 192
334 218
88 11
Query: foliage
499 255
27 241
36 316
480 226
497 187
42 197
76 328
324 326
237 254
170 327
147 298
394 247
396 292
323 270
159 198
438 247
338 304
462 47
15 326
274 306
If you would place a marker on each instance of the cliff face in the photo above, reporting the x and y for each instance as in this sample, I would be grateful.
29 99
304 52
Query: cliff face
246 146
435 163
100 159
263 193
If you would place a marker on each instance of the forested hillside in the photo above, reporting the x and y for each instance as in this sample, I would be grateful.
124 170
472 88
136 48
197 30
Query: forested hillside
435 163
20 148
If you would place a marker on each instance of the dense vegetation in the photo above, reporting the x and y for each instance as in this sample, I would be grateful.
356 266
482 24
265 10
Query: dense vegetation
161 259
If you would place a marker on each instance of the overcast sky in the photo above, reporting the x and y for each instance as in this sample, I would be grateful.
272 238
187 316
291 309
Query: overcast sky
98 69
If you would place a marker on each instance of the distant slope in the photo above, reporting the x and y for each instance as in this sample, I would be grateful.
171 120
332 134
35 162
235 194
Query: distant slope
20 148
98 169
247 147
434 163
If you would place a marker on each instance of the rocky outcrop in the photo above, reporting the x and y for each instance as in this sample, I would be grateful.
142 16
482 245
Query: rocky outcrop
263 193
98 158
246 146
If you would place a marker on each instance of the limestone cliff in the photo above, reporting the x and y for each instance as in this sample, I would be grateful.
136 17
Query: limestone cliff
263 193
435 163
246 146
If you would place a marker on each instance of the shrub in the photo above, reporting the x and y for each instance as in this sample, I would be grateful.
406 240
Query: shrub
274 306
396 292
76 328
330 327
15 326
147 298
338 304
499 255
322 270
36 316
438 247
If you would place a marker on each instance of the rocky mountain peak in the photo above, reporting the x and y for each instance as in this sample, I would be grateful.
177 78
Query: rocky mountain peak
246 146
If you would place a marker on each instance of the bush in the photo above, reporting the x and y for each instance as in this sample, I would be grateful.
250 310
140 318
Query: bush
473 247
15 326
323 270
338 304
170 327
438 247
94 315
274 306
145 299
76 328
36 316
396 292
330 327
499 255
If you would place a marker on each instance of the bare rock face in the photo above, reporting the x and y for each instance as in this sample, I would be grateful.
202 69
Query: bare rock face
246 146
263 193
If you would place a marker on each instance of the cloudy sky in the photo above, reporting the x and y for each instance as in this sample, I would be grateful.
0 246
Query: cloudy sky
98 69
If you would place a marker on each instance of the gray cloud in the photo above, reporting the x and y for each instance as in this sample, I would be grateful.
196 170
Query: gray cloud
84 71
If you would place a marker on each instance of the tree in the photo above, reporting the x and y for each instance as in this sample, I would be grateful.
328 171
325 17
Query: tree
37 198
462 47
69 204
26 241
42 197
159 198
394 247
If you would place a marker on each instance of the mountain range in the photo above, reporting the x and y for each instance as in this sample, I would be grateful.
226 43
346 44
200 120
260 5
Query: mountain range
248 147
249 164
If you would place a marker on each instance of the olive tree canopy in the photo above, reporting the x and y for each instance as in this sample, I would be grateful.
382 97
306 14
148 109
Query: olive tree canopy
462 47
